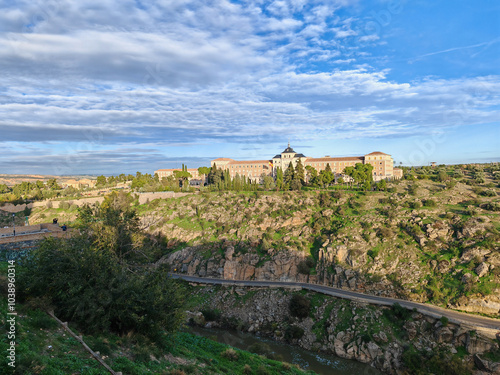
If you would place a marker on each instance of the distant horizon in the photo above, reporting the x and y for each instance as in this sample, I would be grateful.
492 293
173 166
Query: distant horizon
93 85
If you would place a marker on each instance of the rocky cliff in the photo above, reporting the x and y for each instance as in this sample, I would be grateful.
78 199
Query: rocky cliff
387 339
384 243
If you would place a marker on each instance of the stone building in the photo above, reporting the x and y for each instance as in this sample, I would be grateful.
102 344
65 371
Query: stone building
255 169
196 178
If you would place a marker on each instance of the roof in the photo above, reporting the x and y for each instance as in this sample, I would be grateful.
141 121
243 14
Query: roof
347 158
250 162
175 169
377 153
277 156
300 156
288 150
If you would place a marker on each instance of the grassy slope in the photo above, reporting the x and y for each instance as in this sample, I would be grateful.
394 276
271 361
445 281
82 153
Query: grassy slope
44 347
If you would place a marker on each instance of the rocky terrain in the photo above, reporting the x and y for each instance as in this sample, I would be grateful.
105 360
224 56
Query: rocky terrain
388 339
434 244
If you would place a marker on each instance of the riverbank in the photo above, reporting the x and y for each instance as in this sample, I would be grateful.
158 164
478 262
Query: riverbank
389 339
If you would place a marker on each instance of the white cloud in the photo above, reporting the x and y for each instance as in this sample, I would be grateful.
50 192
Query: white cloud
191 71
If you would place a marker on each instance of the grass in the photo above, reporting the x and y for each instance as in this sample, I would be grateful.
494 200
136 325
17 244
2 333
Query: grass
45 348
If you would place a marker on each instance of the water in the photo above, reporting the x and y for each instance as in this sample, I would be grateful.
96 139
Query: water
320 363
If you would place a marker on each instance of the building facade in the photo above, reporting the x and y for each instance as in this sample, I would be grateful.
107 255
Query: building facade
383 165
255 170
195 179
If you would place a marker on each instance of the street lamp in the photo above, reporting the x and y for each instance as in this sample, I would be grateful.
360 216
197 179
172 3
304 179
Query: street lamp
14 223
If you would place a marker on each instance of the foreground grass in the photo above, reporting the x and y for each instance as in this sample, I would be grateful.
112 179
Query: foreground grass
43 347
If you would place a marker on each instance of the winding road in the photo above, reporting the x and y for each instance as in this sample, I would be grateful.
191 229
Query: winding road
474 321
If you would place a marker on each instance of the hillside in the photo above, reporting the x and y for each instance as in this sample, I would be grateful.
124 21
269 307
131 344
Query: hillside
418 241
44 347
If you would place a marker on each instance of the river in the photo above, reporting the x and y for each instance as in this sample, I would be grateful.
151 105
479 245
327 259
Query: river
320 363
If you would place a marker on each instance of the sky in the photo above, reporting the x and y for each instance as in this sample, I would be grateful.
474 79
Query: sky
119 86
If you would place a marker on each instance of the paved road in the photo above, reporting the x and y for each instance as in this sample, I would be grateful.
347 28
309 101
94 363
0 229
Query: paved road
434 311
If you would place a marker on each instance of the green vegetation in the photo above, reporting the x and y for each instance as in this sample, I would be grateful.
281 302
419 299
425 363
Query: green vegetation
98 279
300 306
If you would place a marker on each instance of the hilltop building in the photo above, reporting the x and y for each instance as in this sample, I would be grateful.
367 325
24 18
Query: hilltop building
256 169
196 178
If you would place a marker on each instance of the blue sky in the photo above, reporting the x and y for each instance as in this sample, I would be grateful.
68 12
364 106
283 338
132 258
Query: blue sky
108 86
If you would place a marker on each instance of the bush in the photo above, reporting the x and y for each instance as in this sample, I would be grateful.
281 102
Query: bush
303 268
293 333
211 315
230 354
488 193
430 203
444 321
93 279
299 306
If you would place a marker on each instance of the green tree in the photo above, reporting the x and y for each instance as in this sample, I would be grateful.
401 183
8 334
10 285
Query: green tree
52 184
289 176
326 175
279 178
92 279
101 181
360 173
183 175
204 171
300 173
312 175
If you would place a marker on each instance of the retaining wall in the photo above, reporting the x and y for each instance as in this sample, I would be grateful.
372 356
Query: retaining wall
143 198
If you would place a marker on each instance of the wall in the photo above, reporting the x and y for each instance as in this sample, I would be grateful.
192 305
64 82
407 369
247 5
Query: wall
143 197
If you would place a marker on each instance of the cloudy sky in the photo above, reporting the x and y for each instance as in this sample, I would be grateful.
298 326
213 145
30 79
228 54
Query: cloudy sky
111 86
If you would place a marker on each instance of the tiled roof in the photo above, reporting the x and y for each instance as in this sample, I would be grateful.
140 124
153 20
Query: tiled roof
377 153
347 158
176 169
250 162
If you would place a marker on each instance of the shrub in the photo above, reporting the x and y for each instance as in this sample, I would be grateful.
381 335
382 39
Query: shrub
444 321
260 348
299 306
230 354
94 269
293 333
488 193
412 189
430 203
211 315
303 268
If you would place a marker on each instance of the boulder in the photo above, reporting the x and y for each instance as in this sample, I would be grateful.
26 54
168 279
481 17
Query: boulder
482 269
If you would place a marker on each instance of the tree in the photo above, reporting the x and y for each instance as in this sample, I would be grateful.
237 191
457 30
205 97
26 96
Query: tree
215 176
268 182
289 176
300 173
312 175
279 178
442 176
204 171
382 185
182 175
326 175
101 181
52 184
88 280
360 173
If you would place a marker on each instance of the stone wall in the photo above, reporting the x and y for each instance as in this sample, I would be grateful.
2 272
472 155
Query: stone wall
16 250
143 198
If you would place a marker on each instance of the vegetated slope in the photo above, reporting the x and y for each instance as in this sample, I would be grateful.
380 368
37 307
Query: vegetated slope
419 240
44 347
392 339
